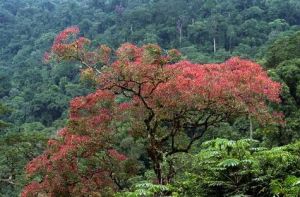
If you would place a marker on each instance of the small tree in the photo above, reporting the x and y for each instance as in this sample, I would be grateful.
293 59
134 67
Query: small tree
168 102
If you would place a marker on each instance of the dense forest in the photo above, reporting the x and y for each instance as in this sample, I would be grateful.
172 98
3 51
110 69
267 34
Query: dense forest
150 98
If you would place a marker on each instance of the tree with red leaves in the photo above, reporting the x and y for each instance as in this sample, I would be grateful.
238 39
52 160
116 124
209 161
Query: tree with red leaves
169 103
82 159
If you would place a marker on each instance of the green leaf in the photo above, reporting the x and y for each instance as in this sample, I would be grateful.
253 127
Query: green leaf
229 163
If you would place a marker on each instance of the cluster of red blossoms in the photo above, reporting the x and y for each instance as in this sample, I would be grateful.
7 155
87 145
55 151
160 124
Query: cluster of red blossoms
85 137
67 46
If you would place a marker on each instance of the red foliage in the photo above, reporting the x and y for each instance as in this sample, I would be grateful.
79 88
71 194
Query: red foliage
62 37
81 42
47 57
128 52
86 135
161 92
60 162
238 84
32 189
62 42
37 163
116 155
104 53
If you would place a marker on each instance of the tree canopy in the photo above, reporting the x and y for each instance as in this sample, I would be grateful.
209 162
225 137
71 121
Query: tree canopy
169 103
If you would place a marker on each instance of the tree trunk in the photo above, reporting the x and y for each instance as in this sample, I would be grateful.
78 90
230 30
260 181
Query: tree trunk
215 47
180 36
158 172
157 159
250 127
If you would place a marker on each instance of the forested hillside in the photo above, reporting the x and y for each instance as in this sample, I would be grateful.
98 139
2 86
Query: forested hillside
246 144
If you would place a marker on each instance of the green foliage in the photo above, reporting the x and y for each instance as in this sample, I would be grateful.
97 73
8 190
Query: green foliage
289 187
230 168
289 72
283 49
3 110
283 57
145 189
17 148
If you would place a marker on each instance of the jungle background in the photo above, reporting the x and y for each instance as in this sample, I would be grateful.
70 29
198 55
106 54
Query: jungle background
35 96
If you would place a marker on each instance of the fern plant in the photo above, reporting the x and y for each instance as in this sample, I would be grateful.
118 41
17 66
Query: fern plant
240 168
145 189
289 187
